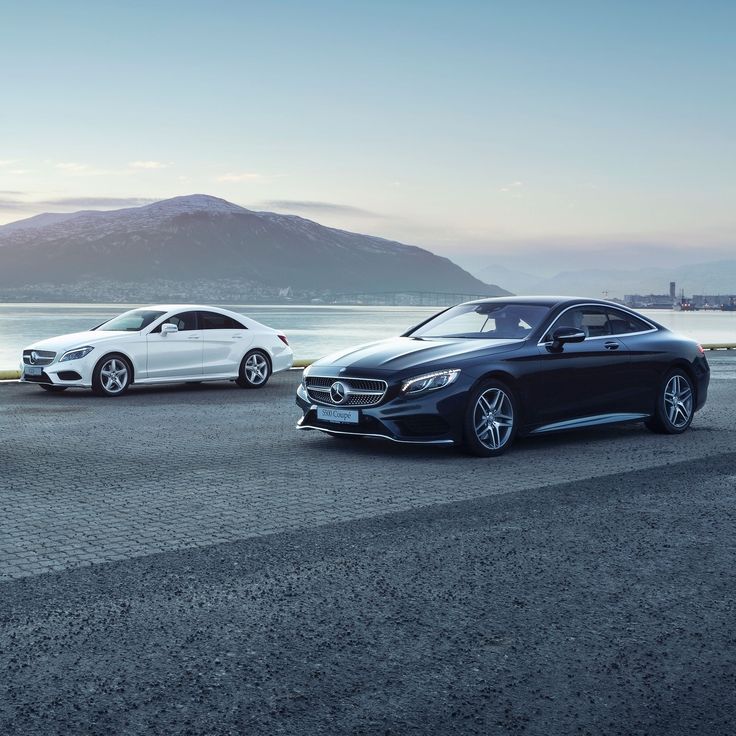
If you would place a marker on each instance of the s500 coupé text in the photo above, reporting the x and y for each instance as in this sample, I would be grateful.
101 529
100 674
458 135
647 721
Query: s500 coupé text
159 344
479 374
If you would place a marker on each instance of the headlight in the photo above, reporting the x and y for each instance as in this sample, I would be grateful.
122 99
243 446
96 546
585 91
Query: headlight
77 353
429 381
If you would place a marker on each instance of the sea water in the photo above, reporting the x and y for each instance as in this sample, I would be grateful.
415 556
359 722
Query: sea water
312 330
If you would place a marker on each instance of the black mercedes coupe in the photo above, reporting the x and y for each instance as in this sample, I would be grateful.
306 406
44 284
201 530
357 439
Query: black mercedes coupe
479 374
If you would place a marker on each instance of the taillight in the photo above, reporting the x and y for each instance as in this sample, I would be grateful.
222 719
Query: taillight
283 339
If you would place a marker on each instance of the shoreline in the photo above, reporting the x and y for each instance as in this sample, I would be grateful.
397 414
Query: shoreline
728 349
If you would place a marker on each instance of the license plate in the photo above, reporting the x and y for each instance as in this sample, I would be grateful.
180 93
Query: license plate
337 416
33 370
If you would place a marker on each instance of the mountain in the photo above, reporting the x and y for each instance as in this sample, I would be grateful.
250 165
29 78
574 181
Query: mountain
712 277
199 245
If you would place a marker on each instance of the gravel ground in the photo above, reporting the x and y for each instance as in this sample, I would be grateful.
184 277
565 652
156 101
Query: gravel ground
581 584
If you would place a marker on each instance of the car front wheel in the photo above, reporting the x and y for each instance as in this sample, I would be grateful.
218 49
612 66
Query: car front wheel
255 370
111 376
675 404
490 419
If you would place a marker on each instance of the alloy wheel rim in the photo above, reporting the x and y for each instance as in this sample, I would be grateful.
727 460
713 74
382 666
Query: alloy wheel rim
493 418
114 376
678 401
256 369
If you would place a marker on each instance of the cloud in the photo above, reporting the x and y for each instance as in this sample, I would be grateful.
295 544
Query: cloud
148 165
7 162
72 166
512 186
12 204
321 207
246 176
96 202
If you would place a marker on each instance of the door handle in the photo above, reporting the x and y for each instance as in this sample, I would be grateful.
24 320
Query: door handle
237 337
611 345
193 337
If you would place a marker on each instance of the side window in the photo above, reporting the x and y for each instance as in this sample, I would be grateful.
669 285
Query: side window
184 321
593 321
215 321
624 324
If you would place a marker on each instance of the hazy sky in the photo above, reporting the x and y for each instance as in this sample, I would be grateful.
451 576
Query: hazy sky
468 127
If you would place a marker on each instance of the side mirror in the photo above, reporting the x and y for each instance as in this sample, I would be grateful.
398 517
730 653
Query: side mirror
168 328
564 335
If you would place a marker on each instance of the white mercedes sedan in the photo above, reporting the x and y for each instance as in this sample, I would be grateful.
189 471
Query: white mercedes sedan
161 344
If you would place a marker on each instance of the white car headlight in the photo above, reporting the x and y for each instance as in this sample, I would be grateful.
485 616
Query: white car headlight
77 353
429 381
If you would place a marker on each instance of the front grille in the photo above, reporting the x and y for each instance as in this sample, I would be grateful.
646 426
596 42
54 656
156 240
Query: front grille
361 391
43 357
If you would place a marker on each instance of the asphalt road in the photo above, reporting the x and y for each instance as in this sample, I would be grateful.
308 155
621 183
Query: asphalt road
201 568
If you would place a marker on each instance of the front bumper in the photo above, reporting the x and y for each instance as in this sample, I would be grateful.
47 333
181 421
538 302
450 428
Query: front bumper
71 373
433 419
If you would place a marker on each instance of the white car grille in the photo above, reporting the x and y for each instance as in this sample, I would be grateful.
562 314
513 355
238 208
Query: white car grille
38 357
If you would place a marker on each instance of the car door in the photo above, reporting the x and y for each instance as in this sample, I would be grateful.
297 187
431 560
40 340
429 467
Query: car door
645 360
582 379
176 354
225 343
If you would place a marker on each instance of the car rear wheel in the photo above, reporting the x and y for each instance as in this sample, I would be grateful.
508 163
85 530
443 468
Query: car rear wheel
675 404
255 370
53 389
490 419
111 376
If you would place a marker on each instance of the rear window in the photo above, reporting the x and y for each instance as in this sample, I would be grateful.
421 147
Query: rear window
622 323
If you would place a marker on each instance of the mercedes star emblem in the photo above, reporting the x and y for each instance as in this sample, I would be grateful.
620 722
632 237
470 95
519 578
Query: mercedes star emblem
339 392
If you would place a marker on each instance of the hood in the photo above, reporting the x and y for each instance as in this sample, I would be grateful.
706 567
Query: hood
405 353
77 340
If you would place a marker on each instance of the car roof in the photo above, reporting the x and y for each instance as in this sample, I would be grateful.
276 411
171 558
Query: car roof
178 307
546 301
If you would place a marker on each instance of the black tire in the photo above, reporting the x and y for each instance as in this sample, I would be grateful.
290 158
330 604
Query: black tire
112 375
491 419
255 370
53 389
675 407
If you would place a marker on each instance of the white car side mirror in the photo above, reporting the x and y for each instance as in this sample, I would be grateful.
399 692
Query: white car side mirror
168 328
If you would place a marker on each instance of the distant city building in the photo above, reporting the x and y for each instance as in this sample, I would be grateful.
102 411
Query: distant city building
713 301
649 301
673 291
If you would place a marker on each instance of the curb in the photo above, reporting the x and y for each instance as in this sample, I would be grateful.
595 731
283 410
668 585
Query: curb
11 375
14 375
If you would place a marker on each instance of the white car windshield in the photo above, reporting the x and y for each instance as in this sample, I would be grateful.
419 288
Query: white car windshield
484 321
133 321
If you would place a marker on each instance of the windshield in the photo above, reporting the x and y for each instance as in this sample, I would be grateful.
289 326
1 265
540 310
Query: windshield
133 321
485 321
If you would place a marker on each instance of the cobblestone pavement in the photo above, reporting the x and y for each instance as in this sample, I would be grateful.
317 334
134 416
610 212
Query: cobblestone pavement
85 480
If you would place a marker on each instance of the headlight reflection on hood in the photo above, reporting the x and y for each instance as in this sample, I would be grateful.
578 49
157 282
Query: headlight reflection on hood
429 381
77 353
